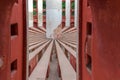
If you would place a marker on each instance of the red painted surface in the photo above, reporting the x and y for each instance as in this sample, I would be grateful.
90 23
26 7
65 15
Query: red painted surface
17 40
106 40
24 57
44 25
5 39
32 63
73 61
86 17
11 47
63 21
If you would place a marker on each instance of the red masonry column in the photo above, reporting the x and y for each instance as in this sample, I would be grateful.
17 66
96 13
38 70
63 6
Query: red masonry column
35 13
5 13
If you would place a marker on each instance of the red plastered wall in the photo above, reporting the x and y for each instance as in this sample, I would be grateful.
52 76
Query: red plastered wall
6 45
32 64
106 40
17 40
86 17
73 61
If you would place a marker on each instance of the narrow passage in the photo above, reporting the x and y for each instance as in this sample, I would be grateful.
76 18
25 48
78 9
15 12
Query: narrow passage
53 73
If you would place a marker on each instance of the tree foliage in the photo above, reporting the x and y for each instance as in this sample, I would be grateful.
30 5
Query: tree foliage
73 5
63 5
34 4
44 4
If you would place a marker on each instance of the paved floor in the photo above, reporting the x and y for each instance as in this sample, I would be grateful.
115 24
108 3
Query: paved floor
53 74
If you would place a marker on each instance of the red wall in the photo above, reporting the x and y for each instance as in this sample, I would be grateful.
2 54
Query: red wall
5 14
17 41
32 63
86 17
106 40
73 61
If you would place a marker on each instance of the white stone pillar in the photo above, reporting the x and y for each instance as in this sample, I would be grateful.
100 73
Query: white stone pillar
40 13
67 10
53 16
30 13
76 13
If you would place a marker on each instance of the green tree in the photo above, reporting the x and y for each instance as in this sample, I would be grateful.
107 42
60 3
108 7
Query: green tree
63 5
63 13
72 13
44 4
34 13
34 4
44 13
73 5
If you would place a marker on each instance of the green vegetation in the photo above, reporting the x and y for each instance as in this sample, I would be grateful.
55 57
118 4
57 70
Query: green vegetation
63 5
34 4
73 5
72 13
44 4
63 13
44 13
34 13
